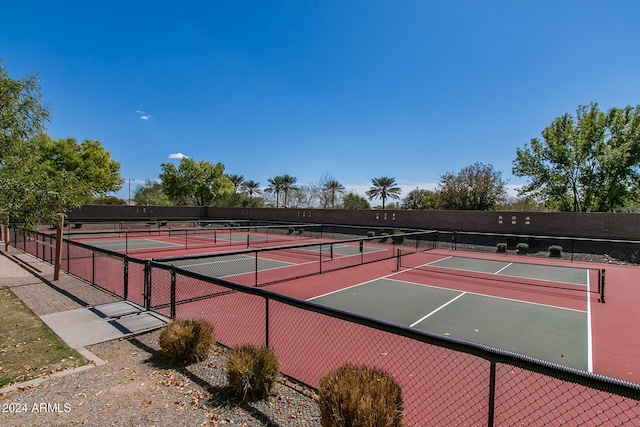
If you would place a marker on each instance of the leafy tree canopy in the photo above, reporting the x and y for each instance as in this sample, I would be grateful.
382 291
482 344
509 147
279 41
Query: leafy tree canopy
355 201
587 163
420 199
23 113
195 183
475 187
41 178
88 161
151 194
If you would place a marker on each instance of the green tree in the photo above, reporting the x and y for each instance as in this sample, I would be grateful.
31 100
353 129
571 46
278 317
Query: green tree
151 194
475 187
237 181
584 164
88 160
333 188
275 187
384 188
195 183
250 188
23 113
355 201
288 186
38 181
420 199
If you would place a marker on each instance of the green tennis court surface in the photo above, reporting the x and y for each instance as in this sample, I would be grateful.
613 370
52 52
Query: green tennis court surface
549 333
236 264
131 244
578 276
224 266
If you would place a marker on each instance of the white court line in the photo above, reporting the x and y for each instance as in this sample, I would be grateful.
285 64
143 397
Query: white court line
435 311
506 266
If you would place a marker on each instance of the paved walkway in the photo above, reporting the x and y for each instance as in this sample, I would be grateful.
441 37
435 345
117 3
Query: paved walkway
76 311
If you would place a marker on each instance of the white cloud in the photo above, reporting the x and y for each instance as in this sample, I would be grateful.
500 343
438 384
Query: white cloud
177 156
143 115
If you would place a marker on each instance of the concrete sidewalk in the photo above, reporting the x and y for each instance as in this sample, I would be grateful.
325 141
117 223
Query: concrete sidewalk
79 313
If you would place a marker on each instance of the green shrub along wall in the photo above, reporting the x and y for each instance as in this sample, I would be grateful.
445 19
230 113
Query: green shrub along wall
623 226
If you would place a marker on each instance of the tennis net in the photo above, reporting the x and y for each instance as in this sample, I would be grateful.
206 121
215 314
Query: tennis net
505 273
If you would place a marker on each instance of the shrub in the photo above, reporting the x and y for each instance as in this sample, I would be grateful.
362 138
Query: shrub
359 396
186 341
252 371
555 251
502 248
371 233
522 248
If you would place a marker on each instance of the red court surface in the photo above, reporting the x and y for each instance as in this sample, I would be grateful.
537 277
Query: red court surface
614 324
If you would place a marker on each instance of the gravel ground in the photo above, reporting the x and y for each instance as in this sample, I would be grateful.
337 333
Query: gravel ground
136 387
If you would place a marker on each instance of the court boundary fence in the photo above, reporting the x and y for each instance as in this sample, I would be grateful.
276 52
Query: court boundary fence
445 381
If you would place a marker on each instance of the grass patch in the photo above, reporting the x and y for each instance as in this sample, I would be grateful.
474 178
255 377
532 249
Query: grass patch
28 348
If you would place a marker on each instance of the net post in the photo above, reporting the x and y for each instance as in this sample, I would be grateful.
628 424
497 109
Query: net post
398 260
602 282
247 240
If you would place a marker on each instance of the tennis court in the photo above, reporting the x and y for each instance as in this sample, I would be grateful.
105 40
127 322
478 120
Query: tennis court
234 265
552 333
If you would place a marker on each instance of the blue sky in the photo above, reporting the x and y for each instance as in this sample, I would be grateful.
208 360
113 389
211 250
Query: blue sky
360 89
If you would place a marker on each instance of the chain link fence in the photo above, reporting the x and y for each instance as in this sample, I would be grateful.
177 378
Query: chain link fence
445 381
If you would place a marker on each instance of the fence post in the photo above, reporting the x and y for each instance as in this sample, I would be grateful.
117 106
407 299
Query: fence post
256 268
147 285
266 322
93 268
492 393
173 294
125 279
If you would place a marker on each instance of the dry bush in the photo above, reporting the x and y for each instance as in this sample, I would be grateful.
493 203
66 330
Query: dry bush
252 371
358 396
186 341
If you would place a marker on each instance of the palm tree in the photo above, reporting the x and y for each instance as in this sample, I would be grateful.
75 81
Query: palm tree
384 187
250 187
333 187
288 185
275 186
237 180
